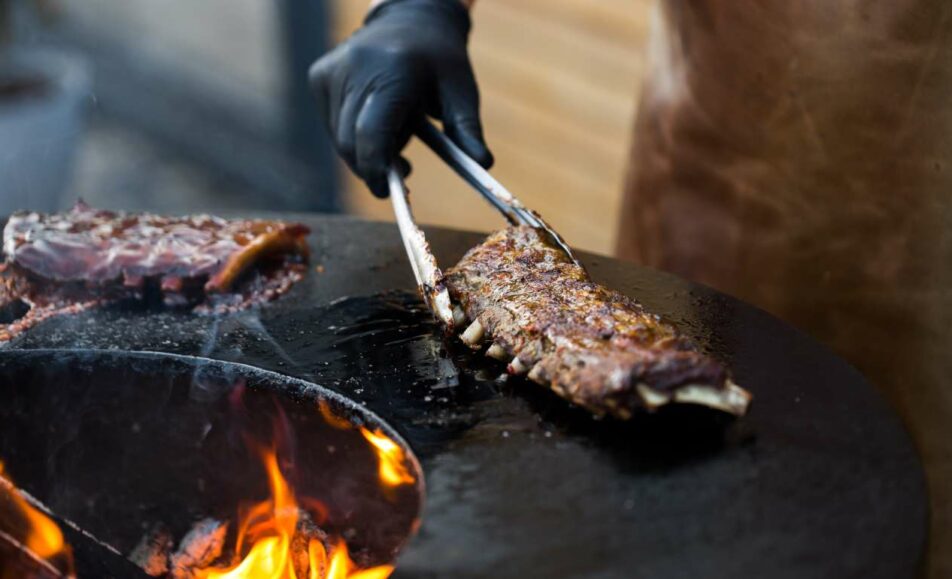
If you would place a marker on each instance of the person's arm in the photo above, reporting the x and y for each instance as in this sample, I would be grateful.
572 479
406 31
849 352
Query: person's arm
409 59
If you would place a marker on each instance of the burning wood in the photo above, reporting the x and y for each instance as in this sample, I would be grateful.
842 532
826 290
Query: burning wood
274 539
277 538
307 539
152 552
64 263
203 548
200 548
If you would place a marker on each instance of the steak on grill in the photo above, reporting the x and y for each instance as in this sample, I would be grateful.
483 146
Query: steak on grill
66 262
593 346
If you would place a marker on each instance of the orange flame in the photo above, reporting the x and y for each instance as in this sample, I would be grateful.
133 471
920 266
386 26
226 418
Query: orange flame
44 538
392 460
341 567
392 468
331 418
269 527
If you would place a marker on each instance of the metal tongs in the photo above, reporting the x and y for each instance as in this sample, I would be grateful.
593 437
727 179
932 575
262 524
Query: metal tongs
427 272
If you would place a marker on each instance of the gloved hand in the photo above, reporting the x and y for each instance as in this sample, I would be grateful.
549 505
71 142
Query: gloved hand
408 59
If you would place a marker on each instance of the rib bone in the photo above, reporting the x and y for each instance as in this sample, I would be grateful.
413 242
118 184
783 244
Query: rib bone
498 352
459 316
651 397
473 335
517 367
732 398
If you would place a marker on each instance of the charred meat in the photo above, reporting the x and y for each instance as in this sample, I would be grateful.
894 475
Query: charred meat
593 346
67 262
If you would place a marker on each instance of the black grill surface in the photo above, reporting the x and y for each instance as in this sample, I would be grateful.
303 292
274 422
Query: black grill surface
819 480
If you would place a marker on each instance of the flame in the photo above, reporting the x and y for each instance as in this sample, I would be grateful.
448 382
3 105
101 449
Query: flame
44 538
341 567
270 526
392 460
331 418
392 469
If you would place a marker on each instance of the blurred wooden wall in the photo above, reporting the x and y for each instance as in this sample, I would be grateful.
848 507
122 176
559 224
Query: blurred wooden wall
559 82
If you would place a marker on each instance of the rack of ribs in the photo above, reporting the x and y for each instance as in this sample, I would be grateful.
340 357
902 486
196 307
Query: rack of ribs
67 262
540 312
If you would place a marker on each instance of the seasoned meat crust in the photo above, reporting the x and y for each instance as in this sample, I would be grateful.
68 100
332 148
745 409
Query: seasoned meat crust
66 262
100 247
593 346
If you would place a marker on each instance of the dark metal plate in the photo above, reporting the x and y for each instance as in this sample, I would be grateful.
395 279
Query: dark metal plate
820 480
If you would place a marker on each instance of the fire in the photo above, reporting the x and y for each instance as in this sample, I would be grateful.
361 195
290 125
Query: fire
331 418
270 527
392 470
44 538
341 567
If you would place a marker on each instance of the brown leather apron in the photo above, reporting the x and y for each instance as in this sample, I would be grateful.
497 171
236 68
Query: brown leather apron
798 154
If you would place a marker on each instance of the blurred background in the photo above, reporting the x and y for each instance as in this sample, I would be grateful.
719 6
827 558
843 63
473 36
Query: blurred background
185 106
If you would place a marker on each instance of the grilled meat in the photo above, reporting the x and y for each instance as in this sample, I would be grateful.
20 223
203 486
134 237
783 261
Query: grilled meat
593 346
67 262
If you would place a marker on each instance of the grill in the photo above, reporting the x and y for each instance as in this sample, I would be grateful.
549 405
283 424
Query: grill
819 480
123 445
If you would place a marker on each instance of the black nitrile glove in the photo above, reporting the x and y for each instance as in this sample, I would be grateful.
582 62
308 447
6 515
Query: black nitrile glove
408 59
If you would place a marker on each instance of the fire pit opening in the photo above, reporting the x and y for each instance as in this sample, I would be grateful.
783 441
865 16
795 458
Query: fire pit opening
195 468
